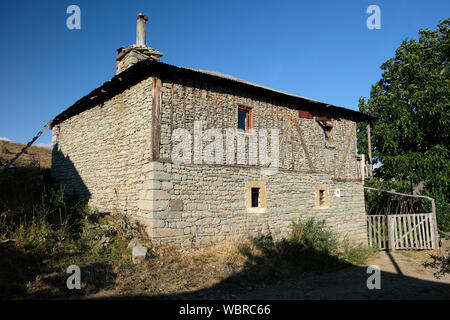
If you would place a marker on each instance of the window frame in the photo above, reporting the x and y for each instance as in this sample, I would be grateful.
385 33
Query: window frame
248 119
262 203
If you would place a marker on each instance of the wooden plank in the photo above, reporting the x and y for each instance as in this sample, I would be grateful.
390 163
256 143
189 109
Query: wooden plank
347 149
410 231
369 225
183 119
427 237
369 144
171 114
434 225
424 231
416 244
405 235
302 141
156 118
431 233
378 232
382 232
420 230
395 232
374 231
283 136
215 110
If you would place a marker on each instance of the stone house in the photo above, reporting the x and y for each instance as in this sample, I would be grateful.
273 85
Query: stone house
195 154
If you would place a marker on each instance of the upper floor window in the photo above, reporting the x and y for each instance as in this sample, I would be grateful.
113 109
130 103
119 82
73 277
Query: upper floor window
245 118
327 126
328 136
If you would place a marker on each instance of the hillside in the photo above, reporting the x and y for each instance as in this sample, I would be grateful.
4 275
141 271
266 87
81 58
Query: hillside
34 154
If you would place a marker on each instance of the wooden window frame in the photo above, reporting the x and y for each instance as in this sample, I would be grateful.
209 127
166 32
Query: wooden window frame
248 120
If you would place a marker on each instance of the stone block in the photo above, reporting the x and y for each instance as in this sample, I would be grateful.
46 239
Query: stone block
139 253
153 205
154 195
167 232
152 184
166 215
158 175
176 205
167 185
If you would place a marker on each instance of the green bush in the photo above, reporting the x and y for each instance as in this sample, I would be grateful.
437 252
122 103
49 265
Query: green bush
310 247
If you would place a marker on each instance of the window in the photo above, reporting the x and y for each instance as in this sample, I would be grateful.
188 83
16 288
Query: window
321 197
322 200
255 197
328 136
327 126
245 118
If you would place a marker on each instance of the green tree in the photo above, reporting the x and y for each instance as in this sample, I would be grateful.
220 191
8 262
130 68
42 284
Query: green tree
410 139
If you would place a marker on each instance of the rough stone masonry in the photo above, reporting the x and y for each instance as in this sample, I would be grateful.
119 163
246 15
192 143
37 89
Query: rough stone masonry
114 148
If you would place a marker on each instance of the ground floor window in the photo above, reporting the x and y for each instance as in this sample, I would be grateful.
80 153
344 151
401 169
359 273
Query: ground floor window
322 200
256 196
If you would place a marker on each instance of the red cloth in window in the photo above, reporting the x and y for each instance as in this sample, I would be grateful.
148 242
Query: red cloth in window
308 115
305 114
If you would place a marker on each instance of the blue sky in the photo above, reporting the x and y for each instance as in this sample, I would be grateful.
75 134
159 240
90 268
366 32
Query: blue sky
319 49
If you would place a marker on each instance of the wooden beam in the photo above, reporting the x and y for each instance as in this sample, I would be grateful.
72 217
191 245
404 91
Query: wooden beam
156 118
302 141
369 144
347 149
280 143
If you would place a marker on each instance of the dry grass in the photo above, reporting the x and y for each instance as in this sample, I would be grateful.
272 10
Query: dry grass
53 230
172 271
34 155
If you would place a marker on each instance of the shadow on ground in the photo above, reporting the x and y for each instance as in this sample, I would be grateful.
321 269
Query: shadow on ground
347 282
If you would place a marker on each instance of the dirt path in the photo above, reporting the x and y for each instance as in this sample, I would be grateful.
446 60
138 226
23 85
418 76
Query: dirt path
402 277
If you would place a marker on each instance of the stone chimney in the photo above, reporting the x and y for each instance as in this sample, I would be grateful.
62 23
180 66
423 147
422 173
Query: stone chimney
126 57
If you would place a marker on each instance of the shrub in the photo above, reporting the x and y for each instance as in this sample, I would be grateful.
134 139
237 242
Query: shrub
3 148
441 264
309 247
355 254
35 212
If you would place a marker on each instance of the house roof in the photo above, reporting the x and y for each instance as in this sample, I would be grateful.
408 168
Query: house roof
146 68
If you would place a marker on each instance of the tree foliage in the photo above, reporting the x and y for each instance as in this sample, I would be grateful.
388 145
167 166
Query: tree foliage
410 139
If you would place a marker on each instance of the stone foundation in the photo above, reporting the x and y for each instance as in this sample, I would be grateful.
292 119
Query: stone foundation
181 203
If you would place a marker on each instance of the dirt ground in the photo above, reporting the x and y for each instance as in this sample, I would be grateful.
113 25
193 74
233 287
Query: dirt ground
402 277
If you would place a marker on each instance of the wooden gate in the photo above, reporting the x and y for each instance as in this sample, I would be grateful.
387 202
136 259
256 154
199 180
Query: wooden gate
402 231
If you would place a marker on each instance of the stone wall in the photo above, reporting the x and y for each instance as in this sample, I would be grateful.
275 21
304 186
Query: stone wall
104 155
183 203
99 153
186 101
